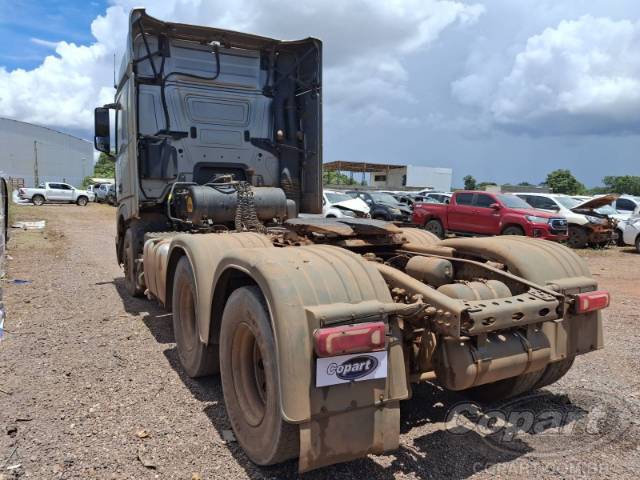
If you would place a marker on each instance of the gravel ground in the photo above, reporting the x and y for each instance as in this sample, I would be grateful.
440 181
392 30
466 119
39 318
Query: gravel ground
91 386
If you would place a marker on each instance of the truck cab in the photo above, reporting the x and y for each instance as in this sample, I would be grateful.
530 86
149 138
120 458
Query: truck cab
195 105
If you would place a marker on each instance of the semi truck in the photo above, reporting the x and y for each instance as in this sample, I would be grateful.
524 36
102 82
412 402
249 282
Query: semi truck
318 327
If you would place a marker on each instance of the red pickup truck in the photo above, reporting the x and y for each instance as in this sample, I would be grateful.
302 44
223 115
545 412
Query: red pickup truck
484 213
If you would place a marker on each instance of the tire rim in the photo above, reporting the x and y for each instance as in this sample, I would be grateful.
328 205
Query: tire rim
434 228
249 378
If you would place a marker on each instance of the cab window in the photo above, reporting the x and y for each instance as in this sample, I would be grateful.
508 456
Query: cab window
484 201
464 198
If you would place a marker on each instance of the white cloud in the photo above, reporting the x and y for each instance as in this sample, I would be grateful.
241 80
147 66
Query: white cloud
581 77
44 43
365 44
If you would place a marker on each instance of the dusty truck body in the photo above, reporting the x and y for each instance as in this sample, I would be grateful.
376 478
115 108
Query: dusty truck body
318 327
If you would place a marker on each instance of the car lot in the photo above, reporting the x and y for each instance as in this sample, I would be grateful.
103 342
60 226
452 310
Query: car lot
91 386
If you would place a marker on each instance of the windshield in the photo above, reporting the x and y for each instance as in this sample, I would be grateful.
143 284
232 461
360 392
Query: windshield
607 210
335 197
383 198
512 201
567 202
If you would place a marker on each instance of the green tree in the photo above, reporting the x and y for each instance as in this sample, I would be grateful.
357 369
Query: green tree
526 184
337 178
469 183
105 167
563 181
626 184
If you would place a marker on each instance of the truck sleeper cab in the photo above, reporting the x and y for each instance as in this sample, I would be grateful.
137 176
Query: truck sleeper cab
316 326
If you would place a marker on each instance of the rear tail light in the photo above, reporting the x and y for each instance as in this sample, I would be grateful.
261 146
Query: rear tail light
359 337
591 301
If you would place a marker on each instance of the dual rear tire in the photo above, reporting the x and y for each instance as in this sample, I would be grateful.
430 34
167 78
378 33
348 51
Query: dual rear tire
246 359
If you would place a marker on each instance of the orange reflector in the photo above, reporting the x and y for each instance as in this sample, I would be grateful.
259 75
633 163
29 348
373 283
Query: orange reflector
590 301
360 337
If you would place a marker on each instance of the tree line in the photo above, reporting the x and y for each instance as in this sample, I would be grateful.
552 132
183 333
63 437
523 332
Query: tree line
563 181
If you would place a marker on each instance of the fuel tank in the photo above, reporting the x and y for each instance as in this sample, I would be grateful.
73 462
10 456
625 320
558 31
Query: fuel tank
204 203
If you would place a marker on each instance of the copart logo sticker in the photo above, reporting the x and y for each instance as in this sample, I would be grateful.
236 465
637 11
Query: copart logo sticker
350 368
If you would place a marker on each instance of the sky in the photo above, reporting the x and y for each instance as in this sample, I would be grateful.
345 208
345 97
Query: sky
504 90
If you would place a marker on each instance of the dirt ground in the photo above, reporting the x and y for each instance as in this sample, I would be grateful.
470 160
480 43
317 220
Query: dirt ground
90 385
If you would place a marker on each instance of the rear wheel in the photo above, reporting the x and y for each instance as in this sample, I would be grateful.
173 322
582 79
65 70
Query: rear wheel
129 256
248 367
82 201
197 358
507 388
578 237
638 244
37 200
435 226
513 230
554 372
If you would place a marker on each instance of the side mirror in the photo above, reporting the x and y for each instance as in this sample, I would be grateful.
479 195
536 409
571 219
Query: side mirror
102 130
495 206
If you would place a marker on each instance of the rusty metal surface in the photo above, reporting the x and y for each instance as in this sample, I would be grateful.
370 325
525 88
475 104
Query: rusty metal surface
597 202
342 226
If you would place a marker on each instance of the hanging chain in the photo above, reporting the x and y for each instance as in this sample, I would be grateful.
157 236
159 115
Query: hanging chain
246 215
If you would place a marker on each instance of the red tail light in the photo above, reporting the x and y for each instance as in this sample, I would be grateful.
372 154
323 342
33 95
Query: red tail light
590 301
360 337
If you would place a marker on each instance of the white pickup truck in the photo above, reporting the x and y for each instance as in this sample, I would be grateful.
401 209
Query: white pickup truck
52 192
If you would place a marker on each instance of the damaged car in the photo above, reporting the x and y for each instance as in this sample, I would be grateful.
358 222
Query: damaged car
340 205
587 226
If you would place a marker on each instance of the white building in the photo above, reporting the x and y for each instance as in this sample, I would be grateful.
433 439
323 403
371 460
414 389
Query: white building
412 176
39 154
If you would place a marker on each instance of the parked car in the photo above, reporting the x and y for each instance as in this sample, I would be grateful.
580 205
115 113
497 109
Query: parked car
586 225
484 213
111 198
627 204
631 235
404 199
340 205
101 192
383 206
440 197
53 192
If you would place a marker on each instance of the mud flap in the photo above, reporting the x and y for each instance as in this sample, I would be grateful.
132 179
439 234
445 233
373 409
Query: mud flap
349 435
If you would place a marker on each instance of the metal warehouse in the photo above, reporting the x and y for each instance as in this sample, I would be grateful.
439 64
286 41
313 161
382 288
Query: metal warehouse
38 154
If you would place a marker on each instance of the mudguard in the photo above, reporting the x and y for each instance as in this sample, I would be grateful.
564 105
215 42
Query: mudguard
339 422
539 261
205 252
547 264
